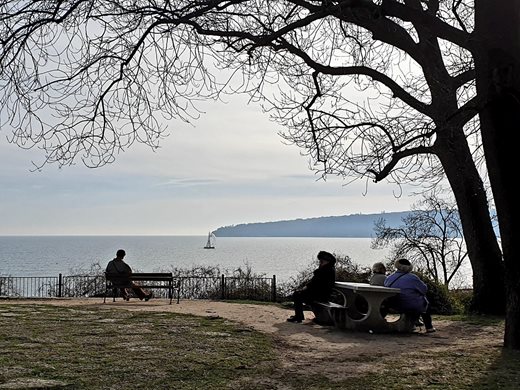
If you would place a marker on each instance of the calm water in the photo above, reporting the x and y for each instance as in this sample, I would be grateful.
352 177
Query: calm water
283 257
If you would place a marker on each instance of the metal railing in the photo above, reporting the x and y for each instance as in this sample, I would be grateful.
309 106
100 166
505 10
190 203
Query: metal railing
190 287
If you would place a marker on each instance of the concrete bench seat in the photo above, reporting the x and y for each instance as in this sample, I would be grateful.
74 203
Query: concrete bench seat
322 312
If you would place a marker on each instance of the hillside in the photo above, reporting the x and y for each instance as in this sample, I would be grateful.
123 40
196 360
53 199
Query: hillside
355 225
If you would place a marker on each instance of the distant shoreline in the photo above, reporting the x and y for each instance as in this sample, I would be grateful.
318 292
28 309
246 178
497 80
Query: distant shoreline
344 226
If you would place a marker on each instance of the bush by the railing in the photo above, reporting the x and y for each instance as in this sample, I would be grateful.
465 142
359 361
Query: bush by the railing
7 287
346 271
246 284
349 271
207 282
197 282
81 282
212 282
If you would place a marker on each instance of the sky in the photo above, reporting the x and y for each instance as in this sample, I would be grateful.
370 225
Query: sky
228 167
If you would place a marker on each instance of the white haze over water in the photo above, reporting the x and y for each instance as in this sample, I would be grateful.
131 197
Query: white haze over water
280 256
283 257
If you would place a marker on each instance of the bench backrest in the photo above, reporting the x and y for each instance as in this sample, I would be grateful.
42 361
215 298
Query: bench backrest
152 276
124 281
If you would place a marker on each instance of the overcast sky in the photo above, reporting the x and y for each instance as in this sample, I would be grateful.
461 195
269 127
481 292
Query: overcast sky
230 167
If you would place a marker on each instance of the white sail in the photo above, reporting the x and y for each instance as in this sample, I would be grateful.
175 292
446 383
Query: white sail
210 244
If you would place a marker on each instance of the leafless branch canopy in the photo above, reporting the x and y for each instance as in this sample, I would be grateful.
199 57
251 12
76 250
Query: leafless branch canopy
430 236
364 87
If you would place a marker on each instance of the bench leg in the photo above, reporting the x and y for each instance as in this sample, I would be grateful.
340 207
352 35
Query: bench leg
405 323
114 292
322 314
340 317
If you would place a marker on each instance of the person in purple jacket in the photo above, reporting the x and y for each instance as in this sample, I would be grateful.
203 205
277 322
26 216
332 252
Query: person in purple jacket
412 298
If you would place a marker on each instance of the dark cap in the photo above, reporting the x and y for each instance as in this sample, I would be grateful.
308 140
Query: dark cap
322 255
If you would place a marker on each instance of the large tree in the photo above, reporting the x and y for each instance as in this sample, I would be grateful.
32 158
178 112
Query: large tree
497 66
85 78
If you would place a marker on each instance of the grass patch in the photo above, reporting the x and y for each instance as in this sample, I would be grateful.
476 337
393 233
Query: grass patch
80 348
251 302
454 370
88 347
474 319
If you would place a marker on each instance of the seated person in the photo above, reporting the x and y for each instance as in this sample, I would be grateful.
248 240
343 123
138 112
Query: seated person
117 270
378 275
412 298
319 288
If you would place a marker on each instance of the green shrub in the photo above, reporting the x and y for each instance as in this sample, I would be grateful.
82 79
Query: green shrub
438 296
346 271
349 271
461 300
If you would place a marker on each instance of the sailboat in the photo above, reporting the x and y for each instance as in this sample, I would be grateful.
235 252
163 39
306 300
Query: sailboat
211 241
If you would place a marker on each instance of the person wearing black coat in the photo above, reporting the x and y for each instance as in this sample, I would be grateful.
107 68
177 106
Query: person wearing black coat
319 288
118 270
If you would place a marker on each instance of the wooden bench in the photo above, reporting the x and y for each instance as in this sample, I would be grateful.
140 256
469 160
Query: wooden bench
149 280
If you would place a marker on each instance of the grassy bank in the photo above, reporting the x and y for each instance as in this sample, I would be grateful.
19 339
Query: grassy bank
53 347
57 347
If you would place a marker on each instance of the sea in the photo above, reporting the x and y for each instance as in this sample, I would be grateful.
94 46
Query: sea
284 257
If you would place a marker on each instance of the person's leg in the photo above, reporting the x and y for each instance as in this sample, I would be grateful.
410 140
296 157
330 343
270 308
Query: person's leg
124 294
298 307
140 292
427 319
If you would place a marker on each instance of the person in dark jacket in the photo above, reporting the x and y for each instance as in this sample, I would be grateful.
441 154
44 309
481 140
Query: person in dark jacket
412 298
119 271
319 288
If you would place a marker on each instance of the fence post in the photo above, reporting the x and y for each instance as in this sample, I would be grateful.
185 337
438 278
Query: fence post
60 282
273 288
223 287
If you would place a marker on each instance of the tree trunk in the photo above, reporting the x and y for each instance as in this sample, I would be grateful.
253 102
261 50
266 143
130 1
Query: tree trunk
483 249
497 64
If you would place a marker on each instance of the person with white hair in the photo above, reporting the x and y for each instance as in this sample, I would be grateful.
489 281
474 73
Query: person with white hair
378 274
412 298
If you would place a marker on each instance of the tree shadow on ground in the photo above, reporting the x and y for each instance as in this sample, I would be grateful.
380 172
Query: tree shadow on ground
503 373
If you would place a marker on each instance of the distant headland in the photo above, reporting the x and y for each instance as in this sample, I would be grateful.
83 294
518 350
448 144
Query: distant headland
354 225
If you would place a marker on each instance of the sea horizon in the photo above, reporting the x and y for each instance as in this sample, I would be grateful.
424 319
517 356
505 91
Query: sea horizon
285 257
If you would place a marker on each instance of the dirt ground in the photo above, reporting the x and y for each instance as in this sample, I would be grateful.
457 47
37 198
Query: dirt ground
300 346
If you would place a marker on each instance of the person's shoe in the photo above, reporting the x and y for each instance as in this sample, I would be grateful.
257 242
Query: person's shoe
294 319
147 297
126 298
419 323
431 330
